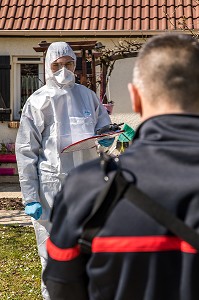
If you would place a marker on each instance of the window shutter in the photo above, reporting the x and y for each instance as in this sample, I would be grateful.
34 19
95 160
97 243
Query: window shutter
5 88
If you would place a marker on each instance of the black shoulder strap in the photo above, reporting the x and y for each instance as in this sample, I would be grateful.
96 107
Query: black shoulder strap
163 216
104 204
118 188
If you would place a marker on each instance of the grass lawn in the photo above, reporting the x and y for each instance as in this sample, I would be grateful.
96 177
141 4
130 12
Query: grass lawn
19 264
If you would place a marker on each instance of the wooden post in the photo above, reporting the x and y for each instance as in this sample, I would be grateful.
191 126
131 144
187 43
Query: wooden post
84 69
103 96
93 73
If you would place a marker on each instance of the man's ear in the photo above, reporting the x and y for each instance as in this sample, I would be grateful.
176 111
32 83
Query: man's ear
135 99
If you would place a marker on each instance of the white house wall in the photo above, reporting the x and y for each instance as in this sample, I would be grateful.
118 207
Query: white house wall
121 76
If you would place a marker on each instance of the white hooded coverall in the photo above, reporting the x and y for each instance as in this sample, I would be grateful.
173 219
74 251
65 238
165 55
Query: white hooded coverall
53 117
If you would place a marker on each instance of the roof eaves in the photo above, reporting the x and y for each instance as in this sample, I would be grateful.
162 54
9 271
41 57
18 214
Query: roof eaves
84 33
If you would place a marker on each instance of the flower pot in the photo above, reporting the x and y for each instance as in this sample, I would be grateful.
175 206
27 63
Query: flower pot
7 171
7 158
109 107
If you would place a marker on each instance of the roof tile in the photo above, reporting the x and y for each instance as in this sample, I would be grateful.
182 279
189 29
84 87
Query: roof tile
99 14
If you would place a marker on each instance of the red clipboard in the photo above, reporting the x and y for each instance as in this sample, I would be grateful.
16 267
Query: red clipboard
90 142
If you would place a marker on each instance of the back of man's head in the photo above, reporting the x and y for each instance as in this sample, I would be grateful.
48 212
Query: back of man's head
167 72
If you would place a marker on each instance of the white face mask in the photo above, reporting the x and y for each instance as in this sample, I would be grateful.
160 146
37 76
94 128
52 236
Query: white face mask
64 77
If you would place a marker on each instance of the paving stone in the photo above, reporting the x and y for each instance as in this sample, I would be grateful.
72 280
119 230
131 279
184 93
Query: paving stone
11 192
12 217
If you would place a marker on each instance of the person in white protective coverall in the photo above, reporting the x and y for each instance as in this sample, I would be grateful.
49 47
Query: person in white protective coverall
56 115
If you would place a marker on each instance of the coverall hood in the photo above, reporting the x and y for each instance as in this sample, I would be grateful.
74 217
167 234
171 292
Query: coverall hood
55 51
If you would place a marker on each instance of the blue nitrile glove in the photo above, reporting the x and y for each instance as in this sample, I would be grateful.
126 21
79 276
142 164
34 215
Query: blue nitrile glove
33 209
106 142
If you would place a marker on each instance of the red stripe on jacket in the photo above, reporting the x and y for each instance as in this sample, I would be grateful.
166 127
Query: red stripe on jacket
59 254
140 244
122 244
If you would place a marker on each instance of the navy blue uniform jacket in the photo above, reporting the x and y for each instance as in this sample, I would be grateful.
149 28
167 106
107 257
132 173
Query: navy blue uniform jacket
133 257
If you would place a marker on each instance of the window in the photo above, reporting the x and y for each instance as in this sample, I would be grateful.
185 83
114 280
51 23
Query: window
5 88
28 77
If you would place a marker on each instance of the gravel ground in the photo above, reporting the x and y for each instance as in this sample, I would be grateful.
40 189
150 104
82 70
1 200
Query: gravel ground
10 196
11 204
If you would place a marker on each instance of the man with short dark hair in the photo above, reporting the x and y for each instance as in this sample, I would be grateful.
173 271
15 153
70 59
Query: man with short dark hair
134 257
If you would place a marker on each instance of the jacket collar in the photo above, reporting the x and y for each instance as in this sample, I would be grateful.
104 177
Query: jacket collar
170 127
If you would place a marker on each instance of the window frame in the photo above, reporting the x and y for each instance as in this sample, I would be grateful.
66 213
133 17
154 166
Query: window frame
17 61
